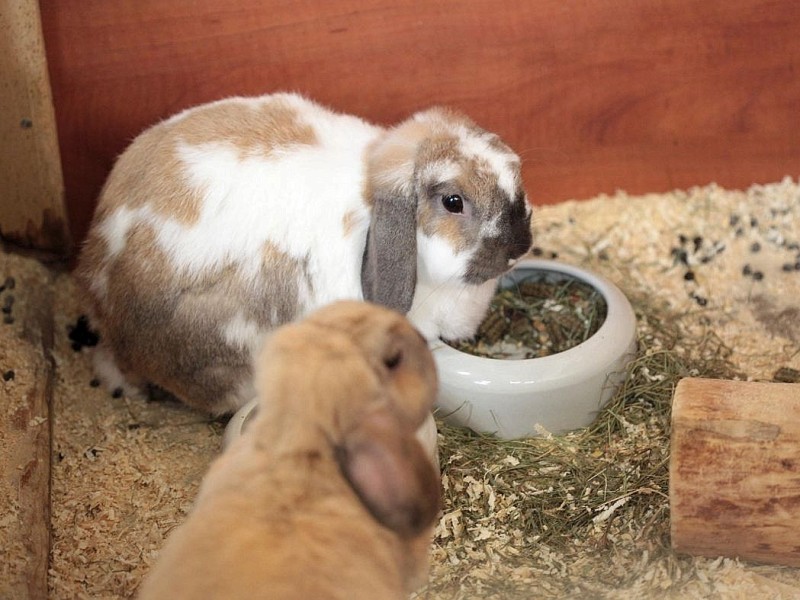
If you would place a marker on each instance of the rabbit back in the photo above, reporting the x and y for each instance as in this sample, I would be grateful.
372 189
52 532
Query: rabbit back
217 225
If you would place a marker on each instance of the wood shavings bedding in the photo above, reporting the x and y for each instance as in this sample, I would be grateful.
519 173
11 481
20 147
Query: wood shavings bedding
125 471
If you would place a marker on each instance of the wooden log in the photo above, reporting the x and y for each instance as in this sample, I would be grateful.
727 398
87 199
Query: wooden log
735 470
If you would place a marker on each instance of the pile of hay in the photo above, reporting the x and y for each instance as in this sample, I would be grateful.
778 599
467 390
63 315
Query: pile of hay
563 516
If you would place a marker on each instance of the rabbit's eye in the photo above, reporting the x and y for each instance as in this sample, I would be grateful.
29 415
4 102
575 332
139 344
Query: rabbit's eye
392 360
453 203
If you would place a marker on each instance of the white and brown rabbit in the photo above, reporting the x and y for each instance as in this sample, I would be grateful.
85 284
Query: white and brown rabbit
327 494
234 217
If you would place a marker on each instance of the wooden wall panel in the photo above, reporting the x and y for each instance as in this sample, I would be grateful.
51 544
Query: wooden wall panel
596 96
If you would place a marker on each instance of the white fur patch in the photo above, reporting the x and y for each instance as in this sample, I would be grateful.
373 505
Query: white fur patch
443 305
450 311
241 332
440 171
491 228
438 262
114 230
503 164
106 370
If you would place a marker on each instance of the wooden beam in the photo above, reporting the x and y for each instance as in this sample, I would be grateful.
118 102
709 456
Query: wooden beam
32 210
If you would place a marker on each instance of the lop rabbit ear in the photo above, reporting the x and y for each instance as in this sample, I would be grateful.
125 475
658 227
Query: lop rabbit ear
389 267
390 473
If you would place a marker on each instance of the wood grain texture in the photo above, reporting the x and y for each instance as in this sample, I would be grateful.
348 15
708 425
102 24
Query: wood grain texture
32 211
735 470
596 96
25 439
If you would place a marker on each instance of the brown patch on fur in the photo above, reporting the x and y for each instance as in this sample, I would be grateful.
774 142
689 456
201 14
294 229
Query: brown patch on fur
151 173
164 327
254 129
93 259
392 157
279 291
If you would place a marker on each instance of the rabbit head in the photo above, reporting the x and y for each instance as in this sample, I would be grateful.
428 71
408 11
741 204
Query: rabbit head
448 208
371 382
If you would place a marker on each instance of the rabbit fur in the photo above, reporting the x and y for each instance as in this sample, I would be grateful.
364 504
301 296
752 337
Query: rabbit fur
234 217
327 494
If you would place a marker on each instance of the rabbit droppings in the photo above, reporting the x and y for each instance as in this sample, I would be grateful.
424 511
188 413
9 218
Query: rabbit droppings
234 217
327 494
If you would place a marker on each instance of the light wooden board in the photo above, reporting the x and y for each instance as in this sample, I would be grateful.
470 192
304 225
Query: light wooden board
32 212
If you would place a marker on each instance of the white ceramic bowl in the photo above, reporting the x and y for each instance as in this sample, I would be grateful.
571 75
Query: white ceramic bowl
427 434
557 393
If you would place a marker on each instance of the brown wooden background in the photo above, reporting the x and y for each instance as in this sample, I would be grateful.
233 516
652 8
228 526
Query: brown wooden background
643 95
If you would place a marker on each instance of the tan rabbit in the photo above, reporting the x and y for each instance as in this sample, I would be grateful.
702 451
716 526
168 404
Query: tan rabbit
328 494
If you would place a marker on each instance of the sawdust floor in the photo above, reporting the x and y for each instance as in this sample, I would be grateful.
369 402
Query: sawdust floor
125 472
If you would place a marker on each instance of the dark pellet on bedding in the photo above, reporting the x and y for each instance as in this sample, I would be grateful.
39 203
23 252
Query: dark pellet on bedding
698 242
536 251
8 304
747 270
117 393
134 426
8 319
95 382
81 334
8 375
680 255
755 247
10 283
758 275
689 276
753 222
699 299
787 267
683 239
734 220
